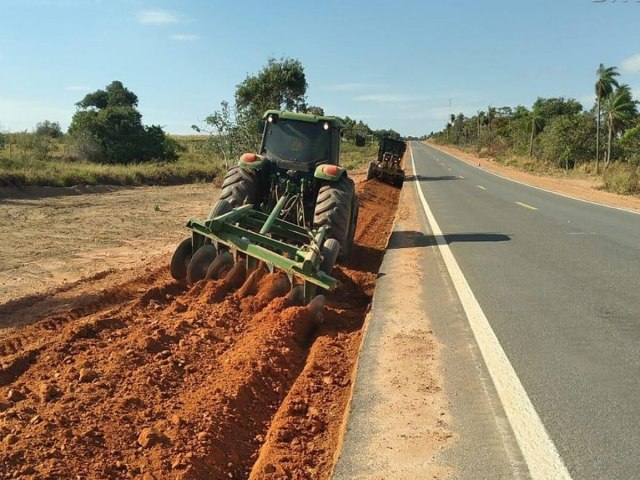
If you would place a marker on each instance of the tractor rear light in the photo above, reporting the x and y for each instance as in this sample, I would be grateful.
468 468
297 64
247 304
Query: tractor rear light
248 157
331 170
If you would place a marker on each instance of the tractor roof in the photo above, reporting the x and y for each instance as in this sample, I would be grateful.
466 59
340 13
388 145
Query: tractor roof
335 122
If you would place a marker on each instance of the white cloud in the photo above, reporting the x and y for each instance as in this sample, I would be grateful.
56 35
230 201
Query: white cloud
158 17
184 37
631 64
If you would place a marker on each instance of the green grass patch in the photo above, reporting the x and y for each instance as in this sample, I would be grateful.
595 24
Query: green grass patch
352 157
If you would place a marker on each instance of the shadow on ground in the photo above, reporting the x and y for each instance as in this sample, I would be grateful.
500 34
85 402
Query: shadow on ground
424 178
413 239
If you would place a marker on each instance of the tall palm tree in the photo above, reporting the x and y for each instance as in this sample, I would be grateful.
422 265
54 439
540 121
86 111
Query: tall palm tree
491 115
537 122
604 87
620 110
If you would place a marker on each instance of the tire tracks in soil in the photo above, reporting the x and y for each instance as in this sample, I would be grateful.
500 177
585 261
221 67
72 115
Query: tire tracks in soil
150 380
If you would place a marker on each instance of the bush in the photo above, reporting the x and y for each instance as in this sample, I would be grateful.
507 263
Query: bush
568 141
48 129
621 178
108 128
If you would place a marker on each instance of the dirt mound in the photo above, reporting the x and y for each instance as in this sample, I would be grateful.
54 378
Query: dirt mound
224 380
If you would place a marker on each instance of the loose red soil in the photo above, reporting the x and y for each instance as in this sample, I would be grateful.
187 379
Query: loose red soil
138 376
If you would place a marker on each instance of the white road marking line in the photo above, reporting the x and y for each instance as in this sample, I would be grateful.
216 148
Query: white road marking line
628 210
460 177
582 233
537 448
449 169
526 206
480 186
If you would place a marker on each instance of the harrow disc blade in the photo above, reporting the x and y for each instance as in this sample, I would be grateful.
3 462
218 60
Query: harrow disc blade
202 258
181 258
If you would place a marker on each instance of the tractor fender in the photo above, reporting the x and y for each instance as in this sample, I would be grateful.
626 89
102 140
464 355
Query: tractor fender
252 160
328 172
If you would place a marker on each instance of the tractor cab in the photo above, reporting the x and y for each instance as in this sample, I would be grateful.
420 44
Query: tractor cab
299 141
290 206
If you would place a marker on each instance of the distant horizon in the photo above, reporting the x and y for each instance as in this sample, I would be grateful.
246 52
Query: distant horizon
406 67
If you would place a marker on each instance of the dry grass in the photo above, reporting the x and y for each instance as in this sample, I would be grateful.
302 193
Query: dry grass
622 178
196 163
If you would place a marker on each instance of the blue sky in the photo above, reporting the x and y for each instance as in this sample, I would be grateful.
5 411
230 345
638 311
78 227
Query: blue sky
392 64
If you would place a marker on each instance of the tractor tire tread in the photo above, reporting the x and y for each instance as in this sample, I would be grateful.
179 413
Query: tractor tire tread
240 186
333 210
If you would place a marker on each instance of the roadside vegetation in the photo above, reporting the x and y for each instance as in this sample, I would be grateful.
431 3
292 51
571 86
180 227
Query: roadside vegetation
556 136
107 143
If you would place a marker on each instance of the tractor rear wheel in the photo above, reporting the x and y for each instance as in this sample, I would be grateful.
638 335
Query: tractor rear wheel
219 208
240 186
355 208
334 209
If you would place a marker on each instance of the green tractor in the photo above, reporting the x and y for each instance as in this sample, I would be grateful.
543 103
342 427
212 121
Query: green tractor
388 166
291 207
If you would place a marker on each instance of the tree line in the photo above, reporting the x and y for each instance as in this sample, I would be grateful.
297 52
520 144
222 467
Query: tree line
279 85
107 126
558 131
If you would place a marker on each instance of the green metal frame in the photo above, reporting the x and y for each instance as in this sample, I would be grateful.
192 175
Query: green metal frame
278 243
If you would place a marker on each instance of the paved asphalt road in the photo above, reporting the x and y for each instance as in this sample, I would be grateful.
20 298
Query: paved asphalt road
559 281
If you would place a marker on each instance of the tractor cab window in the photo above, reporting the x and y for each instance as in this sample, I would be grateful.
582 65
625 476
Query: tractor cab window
301 142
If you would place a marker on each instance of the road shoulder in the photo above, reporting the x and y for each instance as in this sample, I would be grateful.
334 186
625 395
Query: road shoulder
398 423
423 404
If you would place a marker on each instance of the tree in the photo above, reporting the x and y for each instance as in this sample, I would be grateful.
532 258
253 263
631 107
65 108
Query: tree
620 110
603 87
630 143
108 128
313 110
389 133
567 140
48 129
549 108
114 95
281 84
229 135
537 123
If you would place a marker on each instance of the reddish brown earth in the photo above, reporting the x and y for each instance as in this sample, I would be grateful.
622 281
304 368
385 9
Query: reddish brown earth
133 375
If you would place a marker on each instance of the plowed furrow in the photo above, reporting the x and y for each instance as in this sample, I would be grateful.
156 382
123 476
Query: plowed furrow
149 379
